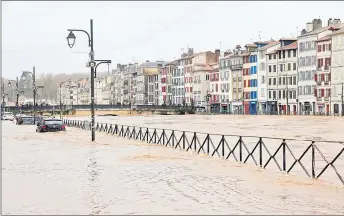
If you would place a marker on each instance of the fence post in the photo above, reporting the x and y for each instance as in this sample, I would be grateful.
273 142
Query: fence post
223 146
313 160
163 136
260 152
183 140
195 143
240 148
208 144
284 155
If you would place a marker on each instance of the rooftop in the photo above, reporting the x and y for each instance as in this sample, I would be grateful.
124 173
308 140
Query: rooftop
271 44
289 47
322 29
326 38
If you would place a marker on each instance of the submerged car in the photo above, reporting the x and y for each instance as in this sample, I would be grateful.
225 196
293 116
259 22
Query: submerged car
8 116
25 120
50 125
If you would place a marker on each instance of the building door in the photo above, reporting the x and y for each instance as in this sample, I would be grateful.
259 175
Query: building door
253 109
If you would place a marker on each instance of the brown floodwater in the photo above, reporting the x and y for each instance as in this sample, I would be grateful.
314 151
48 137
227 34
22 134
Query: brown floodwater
65 173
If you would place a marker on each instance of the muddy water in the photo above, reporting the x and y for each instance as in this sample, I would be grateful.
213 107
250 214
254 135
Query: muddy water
318 129
64 173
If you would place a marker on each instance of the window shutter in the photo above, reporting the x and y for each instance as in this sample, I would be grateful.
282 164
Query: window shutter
329 76
244 83
315 77
329 47
322 77
322 92
315 92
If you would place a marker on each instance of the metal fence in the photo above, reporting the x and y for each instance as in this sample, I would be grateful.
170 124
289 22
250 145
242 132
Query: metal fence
311 156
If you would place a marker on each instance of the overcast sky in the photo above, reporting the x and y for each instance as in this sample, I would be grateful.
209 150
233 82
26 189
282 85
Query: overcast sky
34 33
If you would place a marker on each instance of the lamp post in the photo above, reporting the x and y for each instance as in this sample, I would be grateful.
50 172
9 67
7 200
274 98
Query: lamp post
92 64
60 86
33 74
3 95
17 90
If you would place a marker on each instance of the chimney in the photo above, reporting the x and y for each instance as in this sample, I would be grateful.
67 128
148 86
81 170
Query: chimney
317 23
226 54
217 54
190 51
118 66
329 22
303 31
309 27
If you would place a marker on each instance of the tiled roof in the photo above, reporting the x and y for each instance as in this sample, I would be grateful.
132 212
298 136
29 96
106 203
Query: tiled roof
245 54
322 29
273 43
272 52
326 38
250 45
289 47
293 39
341 31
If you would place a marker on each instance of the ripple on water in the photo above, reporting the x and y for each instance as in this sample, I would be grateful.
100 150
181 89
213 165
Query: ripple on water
65 173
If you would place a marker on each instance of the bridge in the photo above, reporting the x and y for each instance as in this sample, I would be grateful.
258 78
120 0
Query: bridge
102 109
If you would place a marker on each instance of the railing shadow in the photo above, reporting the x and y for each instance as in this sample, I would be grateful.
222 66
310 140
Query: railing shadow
302 157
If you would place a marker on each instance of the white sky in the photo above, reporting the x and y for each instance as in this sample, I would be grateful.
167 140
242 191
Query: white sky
34 33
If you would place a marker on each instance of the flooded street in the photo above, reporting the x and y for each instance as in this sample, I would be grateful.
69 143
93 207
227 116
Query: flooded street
65 173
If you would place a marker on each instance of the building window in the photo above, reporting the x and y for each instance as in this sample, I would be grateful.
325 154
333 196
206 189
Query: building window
269 81
289 53
275 68
270 68
294 66
263 79
275 81
289 66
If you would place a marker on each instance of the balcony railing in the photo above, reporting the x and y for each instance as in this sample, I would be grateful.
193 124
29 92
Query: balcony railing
236 67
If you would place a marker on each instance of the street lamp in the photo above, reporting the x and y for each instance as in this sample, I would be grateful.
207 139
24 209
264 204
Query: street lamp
3 95
33 74
17 89
92 64
71 41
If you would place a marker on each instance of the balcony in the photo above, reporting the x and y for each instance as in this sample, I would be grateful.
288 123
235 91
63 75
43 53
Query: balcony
318 83
327 99
236 67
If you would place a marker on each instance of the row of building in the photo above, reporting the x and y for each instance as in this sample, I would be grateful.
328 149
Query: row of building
302 75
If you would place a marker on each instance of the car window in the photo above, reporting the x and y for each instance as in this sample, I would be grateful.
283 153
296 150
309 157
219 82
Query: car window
49 122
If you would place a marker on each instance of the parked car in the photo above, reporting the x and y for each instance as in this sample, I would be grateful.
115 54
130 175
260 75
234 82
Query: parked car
25 120
16 117
8 116
50 125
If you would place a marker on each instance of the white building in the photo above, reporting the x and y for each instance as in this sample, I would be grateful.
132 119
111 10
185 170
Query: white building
307 63
337 71
287 77
225 82
201 85
262 75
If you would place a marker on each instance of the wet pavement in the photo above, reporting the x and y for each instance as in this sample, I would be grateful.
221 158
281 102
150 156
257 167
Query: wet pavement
65 173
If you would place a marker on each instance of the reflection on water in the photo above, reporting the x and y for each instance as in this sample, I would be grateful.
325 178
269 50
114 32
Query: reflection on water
65 173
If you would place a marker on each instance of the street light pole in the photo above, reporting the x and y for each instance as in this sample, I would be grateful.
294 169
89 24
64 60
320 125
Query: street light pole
17 90
71 40
33 73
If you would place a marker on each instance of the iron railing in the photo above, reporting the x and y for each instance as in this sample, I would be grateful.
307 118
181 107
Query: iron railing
222 145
